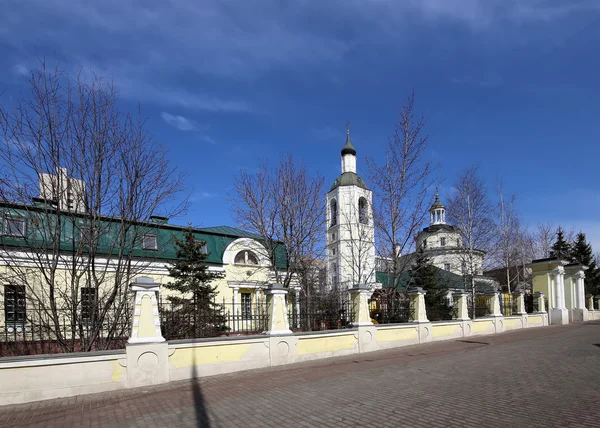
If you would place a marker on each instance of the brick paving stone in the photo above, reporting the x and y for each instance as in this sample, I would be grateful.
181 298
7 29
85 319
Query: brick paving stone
545 377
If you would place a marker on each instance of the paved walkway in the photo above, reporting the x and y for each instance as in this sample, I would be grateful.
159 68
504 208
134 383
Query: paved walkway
546 377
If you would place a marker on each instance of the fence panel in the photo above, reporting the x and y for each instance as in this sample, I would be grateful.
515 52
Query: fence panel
439 308
480 308
320 312
392 309
40 329
186 319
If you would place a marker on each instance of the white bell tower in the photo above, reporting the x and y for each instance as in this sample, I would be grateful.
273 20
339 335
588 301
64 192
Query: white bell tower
350 231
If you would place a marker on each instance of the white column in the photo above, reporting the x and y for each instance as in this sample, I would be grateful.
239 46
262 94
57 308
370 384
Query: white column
580 292
560 288
235 307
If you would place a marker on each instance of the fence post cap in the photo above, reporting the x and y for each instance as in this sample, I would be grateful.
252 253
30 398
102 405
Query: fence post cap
517 293
144 283
538 294
276 288
417 290
460 293
360 287
589 295
491 293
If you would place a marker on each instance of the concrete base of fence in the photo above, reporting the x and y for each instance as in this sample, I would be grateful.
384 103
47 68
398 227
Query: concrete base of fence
578 315
34 378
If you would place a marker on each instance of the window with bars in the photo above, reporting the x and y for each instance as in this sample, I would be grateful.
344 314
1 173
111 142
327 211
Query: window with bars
246 306
88 302
14 304
14 227
149 242
442 242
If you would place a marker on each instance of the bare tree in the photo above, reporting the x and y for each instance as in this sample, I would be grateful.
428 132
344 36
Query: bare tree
509 236
358 245
284 207
76 253
471 211
544 238
402 184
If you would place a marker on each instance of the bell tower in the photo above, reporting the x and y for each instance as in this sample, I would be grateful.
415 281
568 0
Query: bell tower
350 232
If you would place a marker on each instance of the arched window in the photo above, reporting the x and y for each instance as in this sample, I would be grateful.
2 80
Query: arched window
333 212
363 211
245 258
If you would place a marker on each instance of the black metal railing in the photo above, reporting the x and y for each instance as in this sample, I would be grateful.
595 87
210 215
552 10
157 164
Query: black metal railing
439 308
392 309
508 305
189 319
39 329
531 303
481 307
316 313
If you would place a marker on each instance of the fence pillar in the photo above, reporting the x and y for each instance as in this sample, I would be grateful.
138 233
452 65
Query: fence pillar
147 352
417 302
493 304
277 310
519 298
359 296
590 302
461 304
367 332
541 302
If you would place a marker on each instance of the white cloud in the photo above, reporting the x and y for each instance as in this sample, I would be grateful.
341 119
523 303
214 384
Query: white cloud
179 122
21 70
207 139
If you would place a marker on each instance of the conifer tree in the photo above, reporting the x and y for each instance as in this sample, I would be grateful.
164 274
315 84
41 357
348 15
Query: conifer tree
561 249
582 253
425 275
194 311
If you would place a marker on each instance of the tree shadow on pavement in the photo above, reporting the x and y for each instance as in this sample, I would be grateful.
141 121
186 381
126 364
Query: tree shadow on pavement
202 420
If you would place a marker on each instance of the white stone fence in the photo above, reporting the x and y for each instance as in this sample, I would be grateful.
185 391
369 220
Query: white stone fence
149 360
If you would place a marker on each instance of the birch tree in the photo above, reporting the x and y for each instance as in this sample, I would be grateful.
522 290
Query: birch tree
472 212
402 184
75 256
509 236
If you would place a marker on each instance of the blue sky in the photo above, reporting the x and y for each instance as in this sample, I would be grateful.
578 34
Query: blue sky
510 85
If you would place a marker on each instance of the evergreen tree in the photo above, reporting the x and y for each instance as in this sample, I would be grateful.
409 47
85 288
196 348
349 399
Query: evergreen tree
425 275
194 311
561 249
582 253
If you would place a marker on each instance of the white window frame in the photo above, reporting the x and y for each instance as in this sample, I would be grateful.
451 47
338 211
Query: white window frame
245 263
20 220
442 241
148 236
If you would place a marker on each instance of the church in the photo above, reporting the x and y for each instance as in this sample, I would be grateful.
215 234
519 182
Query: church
350 242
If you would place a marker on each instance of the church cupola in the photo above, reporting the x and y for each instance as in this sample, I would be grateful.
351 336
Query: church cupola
348 155
437 212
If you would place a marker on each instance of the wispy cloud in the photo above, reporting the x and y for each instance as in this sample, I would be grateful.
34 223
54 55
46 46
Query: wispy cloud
179 122
202 195
207 139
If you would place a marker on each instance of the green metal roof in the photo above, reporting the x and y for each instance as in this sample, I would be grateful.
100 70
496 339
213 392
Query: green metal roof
217 238
445 279
436 204
348 179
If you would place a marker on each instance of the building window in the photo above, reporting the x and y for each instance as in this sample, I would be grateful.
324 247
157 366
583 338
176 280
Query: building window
334 275
149 242
88 235
447 266
203 247
333 212
458 242
14 304
333 251
442 242
246 306
363 214
88 302
333 236
14 227
246 258
464 267
424 243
